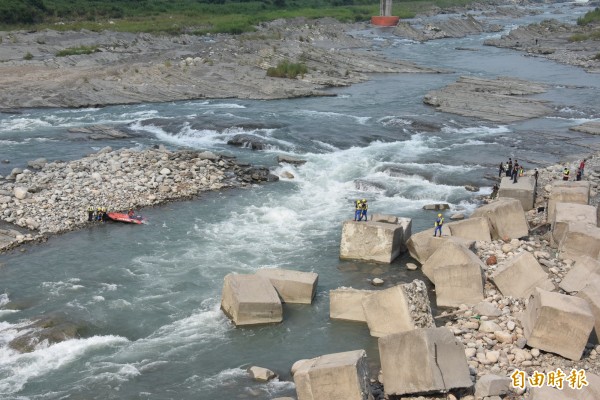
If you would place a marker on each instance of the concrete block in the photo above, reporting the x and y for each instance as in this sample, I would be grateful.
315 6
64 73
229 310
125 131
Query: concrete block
580 240
423 360
523 190
567 192
292 286
397 309
458 284
371 241
492 385
506 218
565 213
557 323
338 376
583 271
449 253
346 304
520 275
388 219
422 245
250 300
591 294
471 228
589 392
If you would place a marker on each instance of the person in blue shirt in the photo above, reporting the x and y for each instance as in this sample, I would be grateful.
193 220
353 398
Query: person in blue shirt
438 225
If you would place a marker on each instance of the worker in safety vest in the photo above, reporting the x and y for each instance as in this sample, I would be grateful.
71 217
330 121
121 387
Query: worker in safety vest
365 207
566 173
438 225
90 213
358 209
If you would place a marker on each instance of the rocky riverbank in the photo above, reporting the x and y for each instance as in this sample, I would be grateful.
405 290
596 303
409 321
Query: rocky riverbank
135 68
49 198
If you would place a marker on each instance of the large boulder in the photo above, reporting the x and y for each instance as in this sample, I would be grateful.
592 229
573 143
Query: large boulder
371 241
471 228
585 270
581 239
566 213
338 376
346 304
250 300
523 190
397 309
520 275
567 192
423 244
423 360
292 286
558 323
505 217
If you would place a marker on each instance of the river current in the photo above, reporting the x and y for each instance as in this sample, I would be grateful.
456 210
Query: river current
149 296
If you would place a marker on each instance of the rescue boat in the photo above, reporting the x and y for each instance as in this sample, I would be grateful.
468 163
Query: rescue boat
122 217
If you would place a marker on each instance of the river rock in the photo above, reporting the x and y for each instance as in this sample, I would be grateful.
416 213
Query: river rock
20 192
261 374
492 385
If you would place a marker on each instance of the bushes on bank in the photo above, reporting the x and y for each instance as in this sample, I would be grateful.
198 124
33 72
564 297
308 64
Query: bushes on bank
286 69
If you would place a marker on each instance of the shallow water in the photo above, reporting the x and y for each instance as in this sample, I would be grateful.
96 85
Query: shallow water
149 295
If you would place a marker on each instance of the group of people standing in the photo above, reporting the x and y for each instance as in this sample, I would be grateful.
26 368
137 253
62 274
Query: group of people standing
97 214
360 207
512 170
579 175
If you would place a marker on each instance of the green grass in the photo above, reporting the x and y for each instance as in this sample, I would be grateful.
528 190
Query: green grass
77 51
286 69
589 17
190 16
580 37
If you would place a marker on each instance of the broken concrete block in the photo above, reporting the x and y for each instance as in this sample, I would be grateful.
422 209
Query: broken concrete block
397 309
557 323
589 392
520 275
346 304
566 213
506 218
423 360
583 271
568 192
422 245
458 284
523 190
591 294
338 376
449 253
250 300
580 240
492 385
371 241
471 228
388 219
292 286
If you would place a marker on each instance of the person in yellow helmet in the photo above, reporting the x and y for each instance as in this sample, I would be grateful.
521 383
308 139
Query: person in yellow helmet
438 225
90 213
357 209
364 209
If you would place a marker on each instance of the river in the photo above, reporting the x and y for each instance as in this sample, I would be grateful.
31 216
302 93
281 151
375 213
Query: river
149 295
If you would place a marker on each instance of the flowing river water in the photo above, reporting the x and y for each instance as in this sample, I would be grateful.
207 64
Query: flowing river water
149 295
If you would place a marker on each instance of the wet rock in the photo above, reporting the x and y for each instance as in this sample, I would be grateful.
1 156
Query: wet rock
52 329
98 132
261 374
247 141
290 160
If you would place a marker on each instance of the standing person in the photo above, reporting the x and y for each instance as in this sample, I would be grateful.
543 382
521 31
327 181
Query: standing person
578 176
500 170
357 210
509 167
582 166
90 214
365 207
515 173
99 214
566 173
521 171
438 225
495 189
536 175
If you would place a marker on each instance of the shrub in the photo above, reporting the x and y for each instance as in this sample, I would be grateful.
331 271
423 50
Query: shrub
589 17
28 56
286 69
77 51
